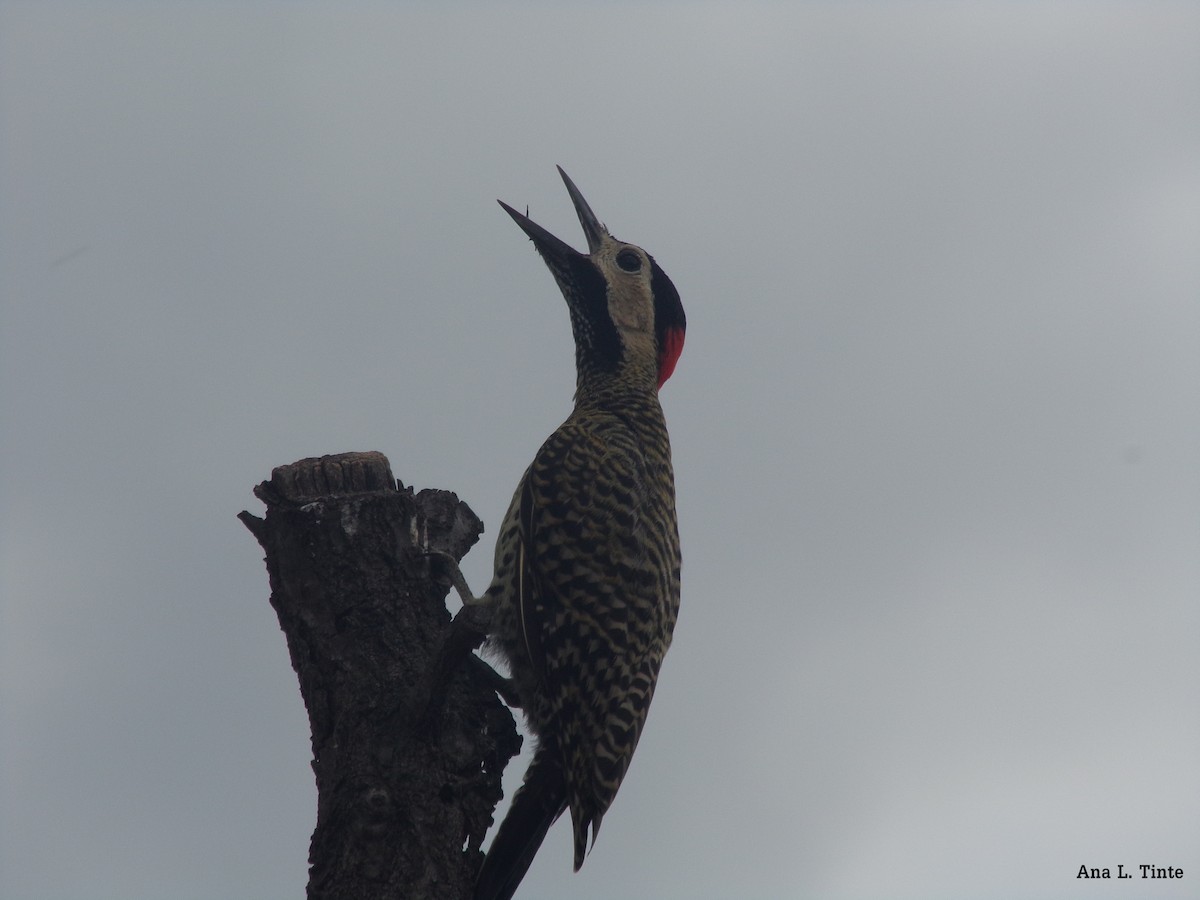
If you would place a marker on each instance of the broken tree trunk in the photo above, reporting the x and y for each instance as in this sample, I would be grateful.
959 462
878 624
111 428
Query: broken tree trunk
409 740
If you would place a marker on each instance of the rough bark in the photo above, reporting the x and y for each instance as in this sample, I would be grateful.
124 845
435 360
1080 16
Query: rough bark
409 738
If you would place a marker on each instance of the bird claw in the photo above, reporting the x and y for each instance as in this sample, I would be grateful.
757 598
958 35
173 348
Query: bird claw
505 687
457 580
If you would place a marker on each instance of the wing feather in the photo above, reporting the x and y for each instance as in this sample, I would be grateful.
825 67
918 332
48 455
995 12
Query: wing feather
589 605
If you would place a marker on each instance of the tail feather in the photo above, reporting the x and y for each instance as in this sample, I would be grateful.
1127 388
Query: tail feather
581 826
541 799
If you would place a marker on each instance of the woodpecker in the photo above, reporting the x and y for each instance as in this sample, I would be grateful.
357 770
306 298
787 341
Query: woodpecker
586 586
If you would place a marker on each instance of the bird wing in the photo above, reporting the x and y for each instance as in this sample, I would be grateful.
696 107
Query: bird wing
590 606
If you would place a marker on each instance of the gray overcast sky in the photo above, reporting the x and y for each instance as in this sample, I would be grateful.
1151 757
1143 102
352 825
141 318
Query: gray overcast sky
936 426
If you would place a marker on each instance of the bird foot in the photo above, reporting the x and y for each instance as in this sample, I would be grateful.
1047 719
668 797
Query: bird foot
505 687
459 583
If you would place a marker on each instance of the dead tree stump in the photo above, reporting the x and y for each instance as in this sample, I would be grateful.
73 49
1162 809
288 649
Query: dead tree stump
409 741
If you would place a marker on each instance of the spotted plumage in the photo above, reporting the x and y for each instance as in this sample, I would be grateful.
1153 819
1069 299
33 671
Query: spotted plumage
586 586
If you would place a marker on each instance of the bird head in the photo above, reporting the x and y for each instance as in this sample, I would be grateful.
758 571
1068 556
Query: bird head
625 312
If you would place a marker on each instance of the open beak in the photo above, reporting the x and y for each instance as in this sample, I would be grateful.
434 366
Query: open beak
551 248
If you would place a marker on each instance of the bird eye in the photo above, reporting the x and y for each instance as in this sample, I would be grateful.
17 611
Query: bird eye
629 261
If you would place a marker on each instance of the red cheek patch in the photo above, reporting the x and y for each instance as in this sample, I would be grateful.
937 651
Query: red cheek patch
668 353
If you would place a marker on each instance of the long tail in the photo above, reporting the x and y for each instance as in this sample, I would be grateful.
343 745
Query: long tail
540 801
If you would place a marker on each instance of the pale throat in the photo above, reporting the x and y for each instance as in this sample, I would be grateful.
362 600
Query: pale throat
631 311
